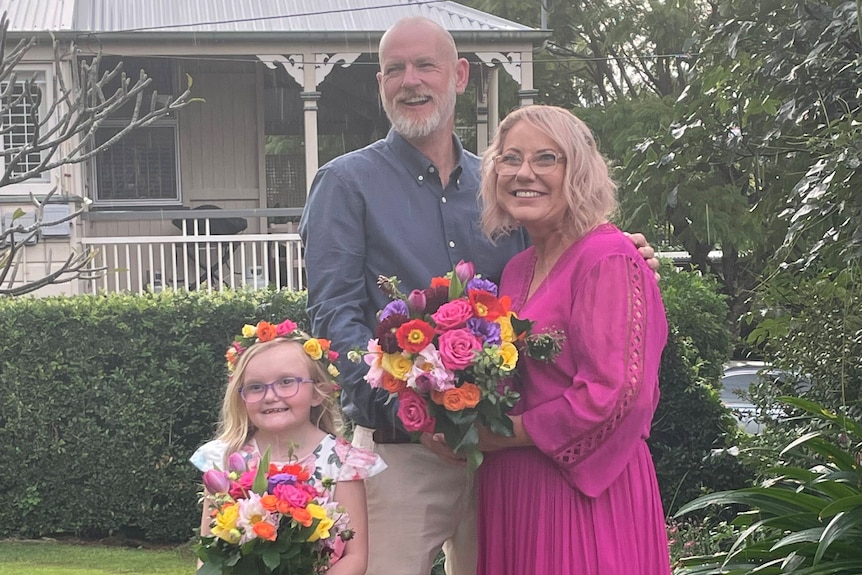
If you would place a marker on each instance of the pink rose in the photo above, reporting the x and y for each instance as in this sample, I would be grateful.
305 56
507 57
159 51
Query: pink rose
285 328
452 315
292 494
457 348
413 412
242 486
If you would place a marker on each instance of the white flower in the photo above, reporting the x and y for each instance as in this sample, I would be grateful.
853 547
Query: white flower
428 366
251 511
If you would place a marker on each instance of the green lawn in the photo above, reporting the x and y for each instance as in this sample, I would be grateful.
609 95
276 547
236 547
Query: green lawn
57 558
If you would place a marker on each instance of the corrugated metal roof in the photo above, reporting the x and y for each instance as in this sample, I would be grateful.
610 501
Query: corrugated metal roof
243 16
38 15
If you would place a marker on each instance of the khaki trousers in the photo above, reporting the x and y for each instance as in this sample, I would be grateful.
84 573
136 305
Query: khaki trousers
416 507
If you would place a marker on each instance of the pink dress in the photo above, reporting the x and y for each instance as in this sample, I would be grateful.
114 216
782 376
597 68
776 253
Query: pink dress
584 500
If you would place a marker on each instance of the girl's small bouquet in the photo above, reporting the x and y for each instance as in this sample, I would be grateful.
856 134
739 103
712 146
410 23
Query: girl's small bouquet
448 353
269 519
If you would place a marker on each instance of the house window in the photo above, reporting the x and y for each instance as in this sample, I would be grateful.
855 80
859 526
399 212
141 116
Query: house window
20 113
142 167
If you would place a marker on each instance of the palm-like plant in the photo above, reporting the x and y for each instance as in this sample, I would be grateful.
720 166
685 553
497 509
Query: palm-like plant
805 521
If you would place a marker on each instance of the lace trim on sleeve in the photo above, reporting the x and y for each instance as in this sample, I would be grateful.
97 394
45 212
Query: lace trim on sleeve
588 443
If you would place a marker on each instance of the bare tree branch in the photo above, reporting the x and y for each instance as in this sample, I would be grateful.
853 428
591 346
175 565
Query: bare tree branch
64 128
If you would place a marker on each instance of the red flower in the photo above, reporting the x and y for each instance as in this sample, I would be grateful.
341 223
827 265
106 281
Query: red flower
440 282
414 336
385 332
487 306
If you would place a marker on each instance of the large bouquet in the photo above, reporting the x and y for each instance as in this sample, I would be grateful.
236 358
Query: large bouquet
448 352
269 520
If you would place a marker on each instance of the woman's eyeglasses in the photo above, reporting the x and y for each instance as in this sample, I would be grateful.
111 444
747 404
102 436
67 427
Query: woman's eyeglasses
284 388
544 163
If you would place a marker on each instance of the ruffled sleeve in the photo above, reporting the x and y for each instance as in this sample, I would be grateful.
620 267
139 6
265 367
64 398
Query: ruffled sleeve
342 461
209 455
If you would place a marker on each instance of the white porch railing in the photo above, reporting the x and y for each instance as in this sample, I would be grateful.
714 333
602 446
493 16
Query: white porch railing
191 262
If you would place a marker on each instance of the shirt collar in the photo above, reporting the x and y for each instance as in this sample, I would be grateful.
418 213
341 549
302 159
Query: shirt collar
416 162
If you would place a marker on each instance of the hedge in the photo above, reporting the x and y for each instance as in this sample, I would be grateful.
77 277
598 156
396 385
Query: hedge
105 397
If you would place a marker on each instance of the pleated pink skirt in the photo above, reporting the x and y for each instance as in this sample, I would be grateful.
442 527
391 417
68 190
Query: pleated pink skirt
532 522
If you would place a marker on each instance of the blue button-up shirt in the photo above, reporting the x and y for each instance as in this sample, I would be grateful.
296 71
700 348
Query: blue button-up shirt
382 210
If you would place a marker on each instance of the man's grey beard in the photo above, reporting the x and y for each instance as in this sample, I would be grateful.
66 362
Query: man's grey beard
416 128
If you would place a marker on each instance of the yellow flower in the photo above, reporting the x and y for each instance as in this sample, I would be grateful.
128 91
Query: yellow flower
506 332
396 364
225 524
249 330
313 349
509 353
326 523
333 371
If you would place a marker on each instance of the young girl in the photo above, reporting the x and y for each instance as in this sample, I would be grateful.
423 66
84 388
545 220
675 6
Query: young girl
281 397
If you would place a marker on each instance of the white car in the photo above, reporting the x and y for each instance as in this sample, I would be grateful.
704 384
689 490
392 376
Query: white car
737 378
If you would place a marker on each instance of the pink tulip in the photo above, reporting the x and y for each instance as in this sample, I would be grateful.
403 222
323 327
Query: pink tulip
216 481
236 462
464 271
416 301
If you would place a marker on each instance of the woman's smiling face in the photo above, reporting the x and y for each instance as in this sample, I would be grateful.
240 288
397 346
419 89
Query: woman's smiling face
535 201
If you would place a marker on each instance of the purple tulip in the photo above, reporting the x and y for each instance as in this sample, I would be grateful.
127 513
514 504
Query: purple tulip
416 301
464 270
216 481
236 462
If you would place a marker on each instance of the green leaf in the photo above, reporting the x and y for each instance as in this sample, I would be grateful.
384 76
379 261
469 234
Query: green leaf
271 558
259 484
841 524
210 568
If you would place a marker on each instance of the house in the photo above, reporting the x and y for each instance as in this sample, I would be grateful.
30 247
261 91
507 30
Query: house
210 194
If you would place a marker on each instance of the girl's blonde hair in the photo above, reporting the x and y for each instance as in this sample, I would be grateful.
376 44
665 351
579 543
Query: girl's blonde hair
587 186
236 429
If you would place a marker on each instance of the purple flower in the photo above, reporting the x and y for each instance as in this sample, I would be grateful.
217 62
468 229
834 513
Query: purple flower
394 307
216 481
279 479
464 270
482 284
424 383
416 301
487 331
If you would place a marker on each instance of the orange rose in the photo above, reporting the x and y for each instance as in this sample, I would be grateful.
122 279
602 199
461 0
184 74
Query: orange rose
453 400
471 394
439 282
265 331
264 530
284 507
392 384
269 502
437 396
302 516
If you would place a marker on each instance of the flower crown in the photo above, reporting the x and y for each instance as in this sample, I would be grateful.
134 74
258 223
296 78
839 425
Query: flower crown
316 348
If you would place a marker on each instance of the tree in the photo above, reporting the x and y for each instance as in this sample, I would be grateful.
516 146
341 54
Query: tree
63 134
